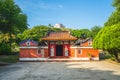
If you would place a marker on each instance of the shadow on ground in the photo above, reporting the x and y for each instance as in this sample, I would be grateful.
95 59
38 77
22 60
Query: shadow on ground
93 73
58 71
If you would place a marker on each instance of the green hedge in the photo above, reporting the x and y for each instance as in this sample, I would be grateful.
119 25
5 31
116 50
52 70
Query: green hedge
5 48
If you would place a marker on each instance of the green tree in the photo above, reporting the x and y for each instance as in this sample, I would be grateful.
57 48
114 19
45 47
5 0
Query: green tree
55 29
85 32
80 32
115 16
109 39
76 33
35 33
94 31
49 25
116 3
12 20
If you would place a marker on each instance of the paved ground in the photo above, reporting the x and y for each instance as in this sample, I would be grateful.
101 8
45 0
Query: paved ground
60 71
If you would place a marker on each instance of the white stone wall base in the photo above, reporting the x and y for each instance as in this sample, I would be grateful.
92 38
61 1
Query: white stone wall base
32 59
96 58
48 59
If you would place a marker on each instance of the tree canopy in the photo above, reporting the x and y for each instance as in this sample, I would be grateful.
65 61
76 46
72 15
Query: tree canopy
94 31
116 3
115 16
12 19
109 39
35 33
12 22
109 36
79 32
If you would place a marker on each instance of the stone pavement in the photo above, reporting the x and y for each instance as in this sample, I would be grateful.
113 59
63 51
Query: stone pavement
99 70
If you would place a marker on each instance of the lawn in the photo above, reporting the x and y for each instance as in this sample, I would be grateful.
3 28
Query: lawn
9 58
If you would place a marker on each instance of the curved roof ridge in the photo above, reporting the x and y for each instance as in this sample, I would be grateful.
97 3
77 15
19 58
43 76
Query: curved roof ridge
60 35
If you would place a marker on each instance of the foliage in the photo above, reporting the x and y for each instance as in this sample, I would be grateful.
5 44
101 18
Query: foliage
4 37
36 33
15 48
115 16
55 29
11 17
9 58
116 3
4 48
79 32
113 19
94 31
109 39
12 20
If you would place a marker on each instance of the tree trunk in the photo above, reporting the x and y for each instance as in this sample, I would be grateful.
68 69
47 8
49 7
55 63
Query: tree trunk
115 54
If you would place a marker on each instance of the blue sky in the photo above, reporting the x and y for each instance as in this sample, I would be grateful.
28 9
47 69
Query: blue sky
75 14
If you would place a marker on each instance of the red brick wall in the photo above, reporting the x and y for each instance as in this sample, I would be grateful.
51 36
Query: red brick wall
32 52
46 53
86 51
85 44
29 53
72 52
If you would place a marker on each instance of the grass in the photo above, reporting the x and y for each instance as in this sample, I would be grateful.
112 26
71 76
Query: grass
9 58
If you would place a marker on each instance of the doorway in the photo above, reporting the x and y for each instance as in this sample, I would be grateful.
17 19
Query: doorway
59 50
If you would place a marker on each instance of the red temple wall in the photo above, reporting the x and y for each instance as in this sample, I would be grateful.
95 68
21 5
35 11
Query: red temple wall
72 52
32 52
29 53
46 53
86 51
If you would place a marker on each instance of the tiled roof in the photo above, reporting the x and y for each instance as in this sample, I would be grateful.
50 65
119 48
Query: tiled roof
61 35
79 41
34 42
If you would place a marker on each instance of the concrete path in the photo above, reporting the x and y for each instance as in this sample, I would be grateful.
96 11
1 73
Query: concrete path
100 70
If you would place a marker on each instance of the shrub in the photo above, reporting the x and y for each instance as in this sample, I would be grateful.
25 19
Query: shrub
4 48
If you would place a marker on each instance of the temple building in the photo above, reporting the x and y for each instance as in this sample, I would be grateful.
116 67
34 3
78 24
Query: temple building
59 46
